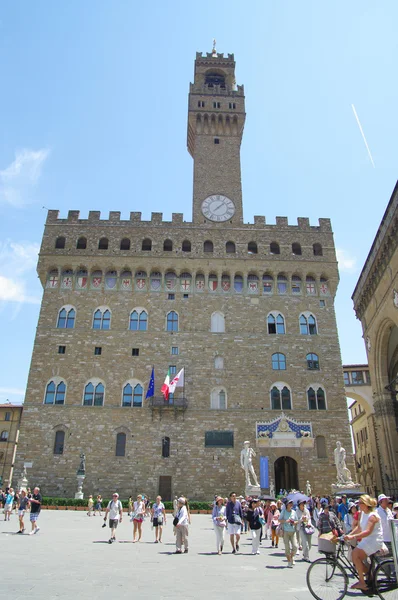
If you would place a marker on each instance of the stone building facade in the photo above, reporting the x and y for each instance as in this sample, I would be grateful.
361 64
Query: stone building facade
10 420
376 305
246 309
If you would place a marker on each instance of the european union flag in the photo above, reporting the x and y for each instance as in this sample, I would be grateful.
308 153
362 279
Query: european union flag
151 387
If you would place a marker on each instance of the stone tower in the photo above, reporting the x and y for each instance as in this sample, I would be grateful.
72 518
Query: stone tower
246 309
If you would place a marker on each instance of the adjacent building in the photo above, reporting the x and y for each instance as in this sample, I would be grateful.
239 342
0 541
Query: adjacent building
10 419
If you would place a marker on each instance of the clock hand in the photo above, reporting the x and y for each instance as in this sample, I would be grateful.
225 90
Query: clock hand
217 207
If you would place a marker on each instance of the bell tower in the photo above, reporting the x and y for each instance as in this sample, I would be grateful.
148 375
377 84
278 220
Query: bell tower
216 118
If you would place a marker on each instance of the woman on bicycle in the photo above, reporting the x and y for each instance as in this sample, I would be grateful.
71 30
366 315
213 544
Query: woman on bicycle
370 534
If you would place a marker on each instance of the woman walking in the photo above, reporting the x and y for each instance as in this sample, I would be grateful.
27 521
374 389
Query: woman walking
273 522
306 529
158 518
138 517
289 521
23 503
219 523
256 526
8 504
348 523
234 515
98 505
181 524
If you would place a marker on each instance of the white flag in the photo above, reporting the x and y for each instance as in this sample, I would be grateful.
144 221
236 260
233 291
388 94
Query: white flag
178 381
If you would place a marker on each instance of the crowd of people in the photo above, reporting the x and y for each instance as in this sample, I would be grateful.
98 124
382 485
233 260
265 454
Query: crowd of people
22 502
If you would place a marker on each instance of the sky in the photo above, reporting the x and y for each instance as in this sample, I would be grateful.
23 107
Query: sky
93 116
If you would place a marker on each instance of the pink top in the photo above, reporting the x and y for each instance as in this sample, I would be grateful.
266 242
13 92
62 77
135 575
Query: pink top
273 518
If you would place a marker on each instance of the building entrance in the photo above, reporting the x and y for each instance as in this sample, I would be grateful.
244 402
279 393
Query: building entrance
165 487
286 474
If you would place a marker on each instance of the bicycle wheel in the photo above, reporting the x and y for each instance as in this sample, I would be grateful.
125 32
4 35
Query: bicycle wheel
327 579
385 580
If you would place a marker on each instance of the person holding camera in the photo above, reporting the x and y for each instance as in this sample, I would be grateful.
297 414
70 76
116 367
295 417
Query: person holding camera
115 511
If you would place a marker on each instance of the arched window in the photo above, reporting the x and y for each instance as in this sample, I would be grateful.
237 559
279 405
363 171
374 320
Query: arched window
120 444
167 246
317 248
274 248
281 284
230 248
320 442
296 249
186 246
165 447
172 321
276 323
252 248
278 362
146 244
103 244
59 442
138 320
137 395
81 243
268 282
66 318
219 362
60 243
55 393
50 393
94 395
281 397
127 395
316 398
217 323
218 399
125 244
4 436
308 324
310 285
296 284
102 319
312 361
208 246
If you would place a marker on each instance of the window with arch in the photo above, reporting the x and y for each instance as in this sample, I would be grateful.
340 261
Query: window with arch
308 324
296 249
167 246
217 323
103 244
94 394
138 392
274 248
320 443
310 285
230 248
146 245
281 397
165 447
276 323
172 321
102 319
252 248
3 436
268 282
66 318
317 249
296 284
279 362
186 246
59 442
81 243
55 393
312 361
127 399
138 320
60 243
208 246
316 398
218 399
219 362
120 444
281 284
125 244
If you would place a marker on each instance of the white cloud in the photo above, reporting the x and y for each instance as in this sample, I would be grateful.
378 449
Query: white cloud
346 262
18 179
17 260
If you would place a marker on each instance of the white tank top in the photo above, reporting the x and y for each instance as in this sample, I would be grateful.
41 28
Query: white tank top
377 533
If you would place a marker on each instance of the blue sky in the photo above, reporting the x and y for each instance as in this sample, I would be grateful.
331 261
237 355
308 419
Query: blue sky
93 111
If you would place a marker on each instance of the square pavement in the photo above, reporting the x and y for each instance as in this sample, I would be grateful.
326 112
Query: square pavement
70 558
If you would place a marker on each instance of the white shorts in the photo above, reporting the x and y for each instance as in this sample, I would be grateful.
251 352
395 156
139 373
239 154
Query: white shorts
21 513
7 507
234 529
369 546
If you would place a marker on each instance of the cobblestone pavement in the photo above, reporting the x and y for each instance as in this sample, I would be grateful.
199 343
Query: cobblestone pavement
70 558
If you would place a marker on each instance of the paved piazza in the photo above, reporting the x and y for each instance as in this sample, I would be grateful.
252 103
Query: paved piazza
70 558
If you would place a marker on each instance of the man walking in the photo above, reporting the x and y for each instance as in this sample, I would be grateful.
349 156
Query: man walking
35 508
386 516
234 516
115 510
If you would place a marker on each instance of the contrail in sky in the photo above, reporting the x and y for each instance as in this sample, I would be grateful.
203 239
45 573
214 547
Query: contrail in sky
363 135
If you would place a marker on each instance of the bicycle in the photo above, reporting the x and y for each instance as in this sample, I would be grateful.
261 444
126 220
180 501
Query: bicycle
327 577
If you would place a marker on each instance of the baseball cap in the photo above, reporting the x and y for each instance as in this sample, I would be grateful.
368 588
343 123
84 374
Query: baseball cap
395 505
382 497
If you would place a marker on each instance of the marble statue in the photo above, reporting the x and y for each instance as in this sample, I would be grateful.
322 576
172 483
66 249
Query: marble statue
308 489
246 463
343 474
272 489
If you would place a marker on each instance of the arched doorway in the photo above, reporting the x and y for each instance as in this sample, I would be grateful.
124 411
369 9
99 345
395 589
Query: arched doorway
286 474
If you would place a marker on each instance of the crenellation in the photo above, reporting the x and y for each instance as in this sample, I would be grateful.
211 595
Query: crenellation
135 217
73 216
303 223
156 218
259 220
52 216
325 224
177 218
94 216
114 216
282 222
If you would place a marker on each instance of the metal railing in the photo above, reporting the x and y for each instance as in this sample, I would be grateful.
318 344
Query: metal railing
176 403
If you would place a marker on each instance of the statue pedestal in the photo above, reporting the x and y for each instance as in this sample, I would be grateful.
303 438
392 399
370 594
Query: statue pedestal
253 490
338 489
22 484
80 480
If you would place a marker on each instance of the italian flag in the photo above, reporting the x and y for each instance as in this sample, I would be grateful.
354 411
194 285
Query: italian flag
165 389
169 386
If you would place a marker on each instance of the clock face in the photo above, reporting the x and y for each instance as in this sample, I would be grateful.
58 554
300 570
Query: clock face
218 208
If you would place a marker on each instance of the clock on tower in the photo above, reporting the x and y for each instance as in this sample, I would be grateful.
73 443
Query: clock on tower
216 118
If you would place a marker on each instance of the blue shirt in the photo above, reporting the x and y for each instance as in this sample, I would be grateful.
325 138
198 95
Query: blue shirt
285 515
342 510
